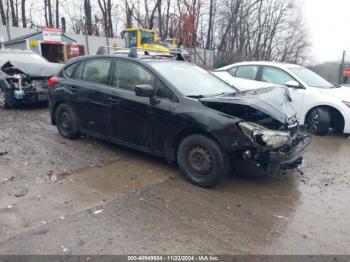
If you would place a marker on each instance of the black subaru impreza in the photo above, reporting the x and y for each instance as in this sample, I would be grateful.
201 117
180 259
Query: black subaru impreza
178 111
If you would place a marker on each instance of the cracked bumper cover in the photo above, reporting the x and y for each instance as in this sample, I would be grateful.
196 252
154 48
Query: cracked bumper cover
292 158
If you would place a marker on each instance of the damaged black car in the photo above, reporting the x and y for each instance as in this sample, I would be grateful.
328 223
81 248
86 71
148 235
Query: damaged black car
177 111
24 77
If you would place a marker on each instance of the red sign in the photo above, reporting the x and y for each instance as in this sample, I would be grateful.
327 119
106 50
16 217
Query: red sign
74 49
346 72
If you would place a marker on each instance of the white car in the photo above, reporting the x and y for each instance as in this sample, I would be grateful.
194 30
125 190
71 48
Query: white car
319 104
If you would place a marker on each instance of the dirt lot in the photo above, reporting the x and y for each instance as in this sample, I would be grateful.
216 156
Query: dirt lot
91 197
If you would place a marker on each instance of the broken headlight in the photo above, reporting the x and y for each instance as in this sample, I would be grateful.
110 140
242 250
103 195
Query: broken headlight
16 81
265 137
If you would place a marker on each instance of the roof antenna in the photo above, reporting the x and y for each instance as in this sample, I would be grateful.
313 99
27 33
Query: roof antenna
133 52
101 51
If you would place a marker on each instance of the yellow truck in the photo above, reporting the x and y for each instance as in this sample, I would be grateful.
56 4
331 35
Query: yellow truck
144 39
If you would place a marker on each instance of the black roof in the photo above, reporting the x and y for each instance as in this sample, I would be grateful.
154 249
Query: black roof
26 36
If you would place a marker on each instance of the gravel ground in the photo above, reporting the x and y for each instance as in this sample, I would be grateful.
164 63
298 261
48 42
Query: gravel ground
91 197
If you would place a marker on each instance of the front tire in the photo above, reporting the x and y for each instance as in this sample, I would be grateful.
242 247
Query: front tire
5 99
66 122
201 161
318 121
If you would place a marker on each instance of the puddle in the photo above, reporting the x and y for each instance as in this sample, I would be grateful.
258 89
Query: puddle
121 176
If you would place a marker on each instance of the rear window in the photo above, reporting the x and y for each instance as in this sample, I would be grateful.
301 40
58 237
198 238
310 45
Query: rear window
96 70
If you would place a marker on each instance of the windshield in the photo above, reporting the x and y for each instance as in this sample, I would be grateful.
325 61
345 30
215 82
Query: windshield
147 37
311 78
21 57
192 80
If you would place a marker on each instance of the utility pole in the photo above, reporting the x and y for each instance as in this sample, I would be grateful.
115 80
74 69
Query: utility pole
341 69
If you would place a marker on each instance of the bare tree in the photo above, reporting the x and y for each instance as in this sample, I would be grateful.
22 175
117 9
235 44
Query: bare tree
106 9
88 17
23 12
2 13
57 14
48 13
210 24
14 14
129 12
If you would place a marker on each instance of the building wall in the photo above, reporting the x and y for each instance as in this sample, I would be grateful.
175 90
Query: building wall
19 45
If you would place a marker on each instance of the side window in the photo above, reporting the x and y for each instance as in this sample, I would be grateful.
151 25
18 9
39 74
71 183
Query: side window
247 72
96 70
233 71
79 72
275 76
127 75
162 91
69 71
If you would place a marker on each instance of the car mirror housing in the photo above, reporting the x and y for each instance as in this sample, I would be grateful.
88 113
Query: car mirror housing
144 91
293 84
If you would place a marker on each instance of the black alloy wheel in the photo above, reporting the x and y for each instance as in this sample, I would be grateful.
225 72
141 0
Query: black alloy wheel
318 121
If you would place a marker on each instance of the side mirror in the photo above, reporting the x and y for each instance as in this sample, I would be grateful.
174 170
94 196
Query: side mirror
144 91
293 84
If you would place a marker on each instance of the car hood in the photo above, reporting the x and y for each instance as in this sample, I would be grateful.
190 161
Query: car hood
342 93
272 101
33 69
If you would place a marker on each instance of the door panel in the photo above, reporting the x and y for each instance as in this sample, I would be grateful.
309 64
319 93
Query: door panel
92 95
136 120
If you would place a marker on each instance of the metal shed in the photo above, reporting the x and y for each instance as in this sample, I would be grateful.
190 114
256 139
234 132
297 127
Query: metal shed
51 43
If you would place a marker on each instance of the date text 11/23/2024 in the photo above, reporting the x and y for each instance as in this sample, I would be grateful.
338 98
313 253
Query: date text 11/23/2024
173 258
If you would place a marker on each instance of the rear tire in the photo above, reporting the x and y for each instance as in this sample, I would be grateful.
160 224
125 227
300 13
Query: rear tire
201 161
318 121
66 122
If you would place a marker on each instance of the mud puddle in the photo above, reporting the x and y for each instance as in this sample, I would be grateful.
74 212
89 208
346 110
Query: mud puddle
121 176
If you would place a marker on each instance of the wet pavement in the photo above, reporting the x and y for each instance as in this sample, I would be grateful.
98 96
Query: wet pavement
92 197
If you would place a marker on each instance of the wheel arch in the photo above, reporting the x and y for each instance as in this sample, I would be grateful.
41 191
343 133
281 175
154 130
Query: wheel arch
335 116
172 148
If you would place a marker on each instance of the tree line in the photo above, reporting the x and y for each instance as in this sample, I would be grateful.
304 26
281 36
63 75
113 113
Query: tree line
238 29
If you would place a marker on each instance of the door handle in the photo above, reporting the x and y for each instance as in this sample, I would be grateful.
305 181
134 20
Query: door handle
114 101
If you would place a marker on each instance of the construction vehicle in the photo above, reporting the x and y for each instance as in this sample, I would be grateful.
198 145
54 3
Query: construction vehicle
141 38
171 41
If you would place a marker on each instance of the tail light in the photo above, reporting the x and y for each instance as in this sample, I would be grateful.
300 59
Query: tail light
52 81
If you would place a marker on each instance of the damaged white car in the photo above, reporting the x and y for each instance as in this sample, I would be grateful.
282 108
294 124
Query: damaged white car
24 77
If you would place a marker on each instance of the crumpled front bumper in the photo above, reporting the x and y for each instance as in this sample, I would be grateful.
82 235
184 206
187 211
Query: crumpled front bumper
292 158
259 157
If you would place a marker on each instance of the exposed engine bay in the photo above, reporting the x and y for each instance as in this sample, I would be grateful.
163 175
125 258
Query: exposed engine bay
23 86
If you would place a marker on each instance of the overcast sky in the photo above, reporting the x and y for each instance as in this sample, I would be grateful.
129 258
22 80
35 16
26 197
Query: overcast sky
329 25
